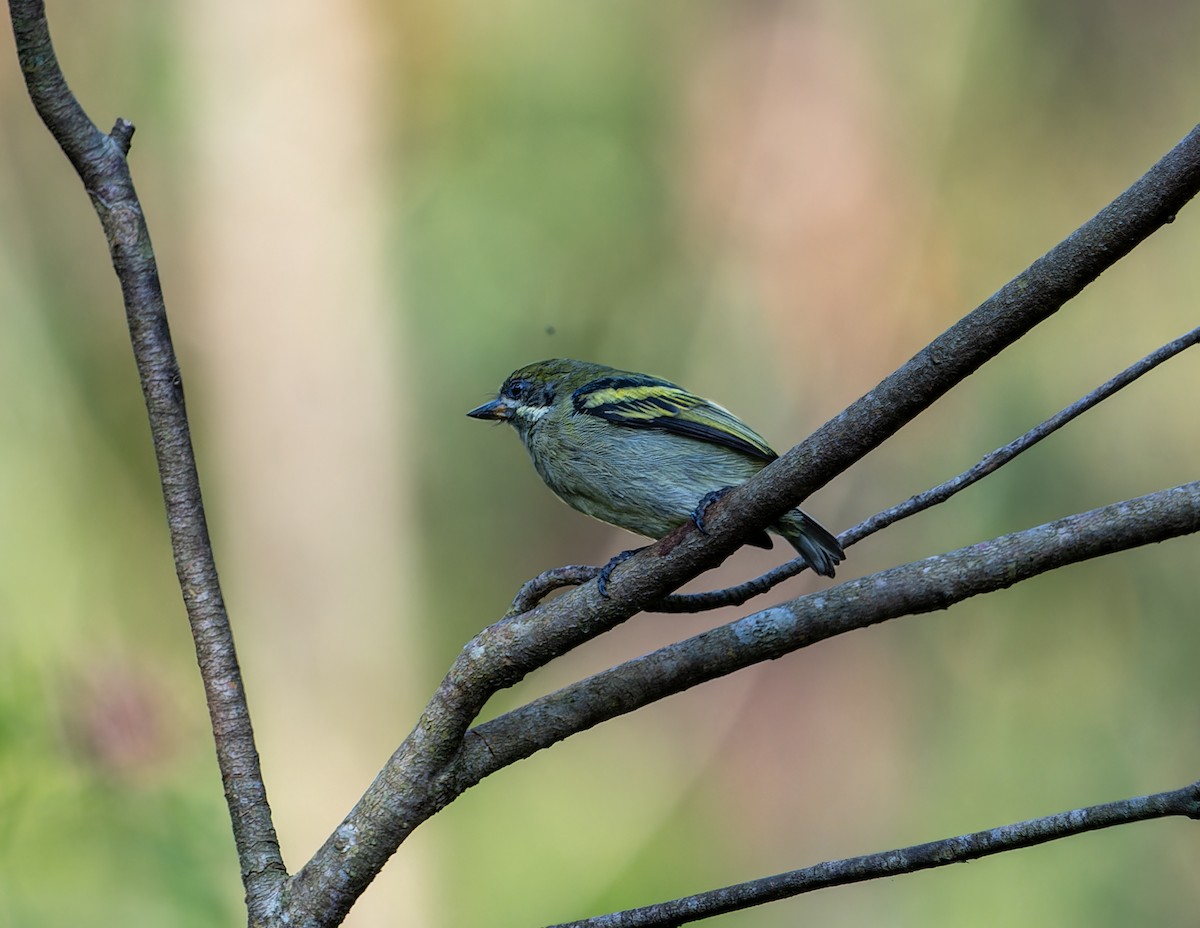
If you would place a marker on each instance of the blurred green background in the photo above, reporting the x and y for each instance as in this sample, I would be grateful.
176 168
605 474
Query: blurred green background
366 215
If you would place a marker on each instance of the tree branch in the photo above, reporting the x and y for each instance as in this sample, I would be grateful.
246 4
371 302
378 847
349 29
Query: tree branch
434 764
425 773
1180 802
1014 310
100 162
990 463
1032 297
922 586
535 590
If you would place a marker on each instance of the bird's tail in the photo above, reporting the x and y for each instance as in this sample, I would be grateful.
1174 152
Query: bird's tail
812 541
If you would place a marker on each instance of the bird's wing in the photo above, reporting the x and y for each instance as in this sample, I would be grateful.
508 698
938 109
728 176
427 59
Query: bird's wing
649 403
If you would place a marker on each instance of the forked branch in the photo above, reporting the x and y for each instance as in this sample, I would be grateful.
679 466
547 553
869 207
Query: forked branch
927 585
438 760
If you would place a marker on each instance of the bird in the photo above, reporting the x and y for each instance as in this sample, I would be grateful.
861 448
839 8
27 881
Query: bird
640 452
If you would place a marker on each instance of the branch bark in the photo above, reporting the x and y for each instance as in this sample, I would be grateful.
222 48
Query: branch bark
989 464
922 586
100 162
1032 297
429 769
1181 802
437 760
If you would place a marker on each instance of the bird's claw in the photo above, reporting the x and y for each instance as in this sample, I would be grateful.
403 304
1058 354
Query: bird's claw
607 569
702 507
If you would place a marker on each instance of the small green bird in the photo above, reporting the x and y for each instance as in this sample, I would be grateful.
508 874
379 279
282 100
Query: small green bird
640 452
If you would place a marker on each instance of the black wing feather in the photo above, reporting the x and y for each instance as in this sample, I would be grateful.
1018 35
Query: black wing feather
650 403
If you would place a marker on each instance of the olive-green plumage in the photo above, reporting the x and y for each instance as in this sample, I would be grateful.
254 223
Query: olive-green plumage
639 452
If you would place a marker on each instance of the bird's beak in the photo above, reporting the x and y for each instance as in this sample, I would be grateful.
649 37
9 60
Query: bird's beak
497 409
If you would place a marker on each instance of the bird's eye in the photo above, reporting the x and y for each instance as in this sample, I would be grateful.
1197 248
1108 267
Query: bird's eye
516 389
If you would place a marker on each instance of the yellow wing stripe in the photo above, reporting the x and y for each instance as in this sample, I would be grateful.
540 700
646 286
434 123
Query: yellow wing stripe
659 404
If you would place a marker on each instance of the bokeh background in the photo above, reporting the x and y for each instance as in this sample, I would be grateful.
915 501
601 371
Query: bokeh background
366 215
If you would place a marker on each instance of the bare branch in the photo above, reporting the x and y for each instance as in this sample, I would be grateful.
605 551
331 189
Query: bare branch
436 761
991 462
534 591
431 766
99 160
995 460
1180 802
1013 311
922 586
1030 298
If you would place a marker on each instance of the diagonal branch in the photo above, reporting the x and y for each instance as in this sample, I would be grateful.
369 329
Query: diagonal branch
99 160
1032 297
990 463
434 765
1180 802
1015 309
922 586
993 461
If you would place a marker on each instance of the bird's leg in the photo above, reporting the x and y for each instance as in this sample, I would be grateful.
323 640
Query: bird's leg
607 569
702 507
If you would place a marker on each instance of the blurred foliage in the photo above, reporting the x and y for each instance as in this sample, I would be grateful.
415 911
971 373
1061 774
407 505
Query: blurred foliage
774 203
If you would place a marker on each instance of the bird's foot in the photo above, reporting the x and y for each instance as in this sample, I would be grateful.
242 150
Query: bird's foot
702 507
607 569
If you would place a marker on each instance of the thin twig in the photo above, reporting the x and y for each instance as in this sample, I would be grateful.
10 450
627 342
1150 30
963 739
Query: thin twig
99 160
534 591
990 463
1181 802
